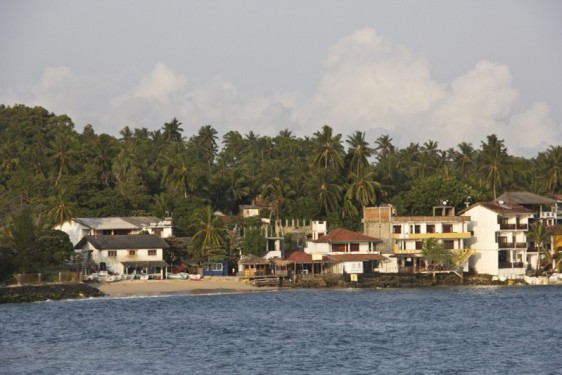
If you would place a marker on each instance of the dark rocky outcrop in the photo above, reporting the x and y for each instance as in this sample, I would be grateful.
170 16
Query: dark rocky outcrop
33 293
376 280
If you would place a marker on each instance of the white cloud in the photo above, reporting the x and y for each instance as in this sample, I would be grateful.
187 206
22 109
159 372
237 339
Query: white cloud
368 84
477 104
160 84
532 131
369 81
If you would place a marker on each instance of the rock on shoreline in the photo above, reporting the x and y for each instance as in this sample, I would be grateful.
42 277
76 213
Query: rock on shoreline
34 293
409 280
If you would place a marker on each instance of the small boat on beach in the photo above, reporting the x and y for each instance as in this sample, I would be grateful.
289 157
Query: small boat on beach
177 276
195 277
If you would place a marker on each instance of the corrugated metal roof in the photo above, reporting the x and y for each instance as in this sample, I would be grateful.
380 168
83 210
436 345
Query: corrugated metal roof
345 236
140 221
525 197
505 208
141 241
101 223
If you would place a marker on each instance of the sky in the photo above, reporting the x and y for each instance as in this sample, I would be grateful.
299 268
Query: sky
450 71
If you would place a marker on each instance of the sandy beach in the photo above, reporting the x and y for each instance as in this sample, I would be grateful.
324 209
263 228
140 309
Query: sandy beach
154 287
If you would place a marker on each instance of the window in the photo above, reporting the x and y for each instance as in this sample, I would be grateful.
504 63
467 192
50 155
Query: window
112 253
396 229
215 267
419 245
354 247
449 244
338 247
152 253
447 228
417 229
430 228
132 253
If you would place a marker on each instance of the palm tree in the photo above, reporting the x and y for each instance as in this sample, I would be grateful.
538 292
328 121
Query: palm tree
277 188
172 131
358 153
62 210
539 234
209 228
162 205
493 162
384 146
232 147
126 134
62 154
104 152
206 143
363 189
328 151
324 191
8 156
178 174
464 158
550 164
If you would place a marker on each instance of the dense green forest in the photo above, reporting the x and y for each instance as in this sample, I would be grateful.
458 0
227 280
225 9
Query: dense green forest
50 172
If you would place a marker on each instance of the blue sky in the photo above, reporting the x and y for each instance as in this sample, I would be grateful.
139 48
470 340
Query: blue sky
449 71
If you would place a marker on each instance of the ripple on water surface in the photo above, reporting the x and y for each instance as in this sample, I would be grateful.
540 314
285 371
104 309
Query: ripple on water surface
473 330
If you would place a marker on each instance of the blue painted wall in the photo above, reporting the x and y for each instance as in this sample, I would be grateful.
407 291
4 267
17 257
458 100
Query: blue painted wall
216 268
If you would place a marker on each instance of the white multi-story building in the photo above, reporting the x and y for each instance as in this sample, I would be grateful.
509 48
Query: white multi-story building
94 226
123 254
403 236
499 240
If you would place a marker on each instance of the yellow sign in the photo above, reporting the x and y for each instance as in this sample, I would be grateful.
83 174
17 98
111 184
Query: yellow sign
353 277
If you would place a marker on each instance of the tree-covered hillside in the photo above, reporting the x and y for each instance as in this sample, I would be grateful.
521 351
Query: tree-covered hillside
53 172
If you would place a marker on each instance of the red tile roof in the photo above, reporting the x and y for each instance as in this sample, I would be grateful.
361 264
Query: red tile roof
299 257
341 235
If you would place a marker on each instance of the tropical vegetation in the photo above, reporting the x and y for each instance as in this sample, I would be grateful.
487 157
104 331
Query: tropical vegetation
52 172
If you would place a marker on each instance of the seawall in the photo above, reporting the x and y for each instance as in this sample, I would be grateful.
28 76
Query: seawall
34 293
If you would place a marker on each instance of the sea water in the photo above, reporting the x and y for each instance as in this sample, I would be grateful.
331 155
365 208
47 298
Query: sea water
461 330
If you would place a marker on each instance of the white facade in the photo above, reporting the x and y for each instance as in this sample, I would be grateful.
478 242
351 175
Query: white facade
351 252
499 240
313 247
122 254
403 236
116 261
80 227
319 228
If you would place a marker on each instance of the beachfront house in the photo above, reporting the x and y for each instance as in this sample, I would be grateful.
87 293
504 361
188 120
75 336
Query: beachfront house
107 226
252 265
344 251
403 236
123 254
499 240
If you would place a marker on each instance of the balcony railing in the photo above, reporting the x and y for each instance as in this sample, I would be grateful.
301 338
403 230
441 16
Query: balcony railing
514 227
512 245
510 265
548 215
430 268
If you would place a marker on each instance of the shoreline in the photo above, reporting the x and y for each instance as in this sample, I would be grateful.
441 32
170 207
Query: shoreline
214 285
211 285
